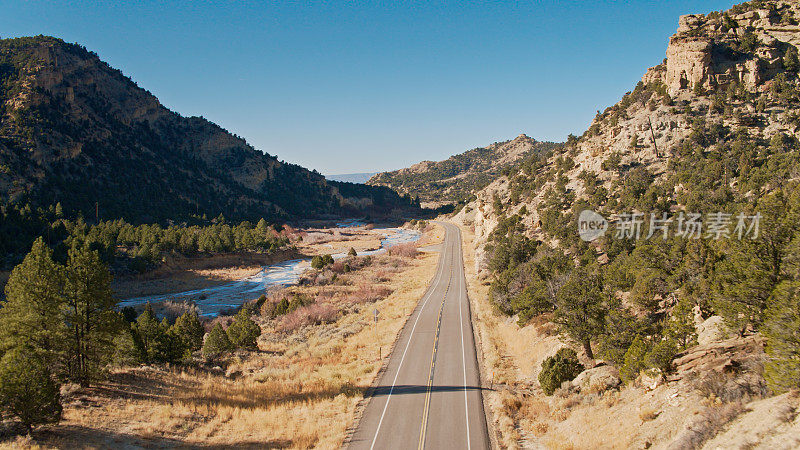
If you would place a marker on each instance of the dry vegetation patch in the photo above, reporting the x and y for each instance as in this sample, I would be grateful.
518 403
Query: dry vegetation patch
299 390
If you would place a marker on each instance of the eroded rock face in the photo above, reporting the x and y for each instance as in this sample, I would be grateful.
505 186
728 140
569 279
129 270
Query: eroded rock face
688 63
709 51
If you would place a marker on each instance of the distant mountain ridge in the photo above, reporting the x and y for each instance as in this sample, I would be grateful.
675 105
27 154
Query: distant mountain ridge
76 131
455 179
360 178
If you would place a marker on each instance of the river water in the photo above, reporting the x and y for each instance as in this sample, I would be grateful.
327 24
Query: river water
212 301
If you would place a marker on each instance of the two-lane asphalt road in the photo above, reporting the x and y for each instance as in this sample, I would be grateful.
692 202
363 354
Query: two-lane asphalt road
429 396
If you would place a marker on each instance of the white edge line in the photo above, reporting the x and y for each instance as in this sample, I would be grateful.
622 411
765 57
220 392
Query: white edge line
411 335
464 357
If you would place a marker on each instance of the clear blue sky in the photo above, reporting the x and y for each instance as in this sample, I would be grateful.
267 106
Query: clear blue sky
343 88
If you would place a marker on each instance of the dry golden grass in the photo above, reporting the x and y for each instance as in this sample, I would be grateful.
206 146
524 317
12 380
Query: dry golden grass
330 241
299 391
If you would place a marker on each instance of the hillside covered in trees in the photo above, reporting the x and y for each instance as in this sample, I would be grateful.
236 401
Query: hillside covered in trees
76 131
696 172
455 179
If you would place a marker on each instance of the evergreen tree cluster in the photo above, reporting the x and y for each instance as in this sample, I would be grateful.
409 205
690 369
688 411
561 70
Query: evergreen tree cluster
59 324
751 283
135 246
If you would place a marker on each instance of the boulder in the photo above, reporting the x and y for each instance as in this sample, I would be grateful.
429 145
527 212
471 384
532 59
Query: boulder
711 330
597 379
651 379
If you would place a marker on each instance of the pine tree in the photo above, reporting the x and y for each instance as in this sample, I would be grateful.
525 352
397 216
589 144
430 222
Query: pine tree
790 61
31 315
27 389
680 326
317 262
261 228
217 343
190 330
634 361
92 321
579 307
783 338
352 252
244 332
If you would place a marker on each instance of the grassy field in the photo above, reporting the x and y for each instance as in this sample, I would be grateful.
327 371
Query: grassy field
300 390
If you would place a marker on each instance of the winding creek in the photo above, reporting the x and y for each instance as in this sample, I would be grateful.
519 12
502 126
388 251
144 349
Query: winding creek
213 300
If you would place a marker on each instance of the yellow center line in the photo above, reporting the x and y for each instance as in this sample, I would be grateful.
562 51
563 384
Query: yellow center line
426 409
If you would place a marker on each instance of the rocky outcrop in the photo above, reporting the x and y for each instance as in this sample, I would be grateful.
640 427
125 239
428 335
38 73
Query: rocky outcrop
712 330
723 356
717 50
688 63
597 379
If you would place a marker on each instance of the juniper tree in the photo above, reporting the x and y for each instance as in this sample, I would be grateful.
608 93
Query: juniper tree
580 309
216 343
782 330
790 60
634 360
27 388
749 269
621 328
680 326
244 332
190 330
563 366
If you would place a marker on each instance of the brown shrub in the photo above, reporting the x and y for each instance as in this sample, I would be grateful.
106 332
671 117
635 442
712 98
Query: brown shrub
172 310
368 294
380 276
729 387
511 402
407 250
338 267
225 321
313 314
648 413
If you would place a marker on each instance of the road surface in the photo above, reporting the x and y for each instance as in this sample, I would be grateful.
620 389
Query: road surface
429 396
